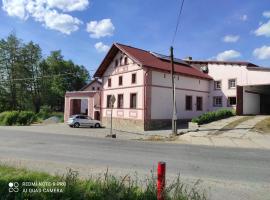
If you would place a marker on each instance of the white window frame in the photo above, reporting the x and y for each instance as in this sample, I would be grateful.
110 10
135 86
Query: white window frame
215 85
230 81
215 101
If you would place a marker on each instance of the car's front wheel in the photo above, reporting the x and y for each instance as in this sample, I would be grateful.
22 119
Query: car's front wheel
97 125
76 125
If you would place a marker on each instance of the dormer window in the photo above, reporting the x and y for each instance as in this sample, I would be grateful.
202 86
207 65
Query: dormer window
115 63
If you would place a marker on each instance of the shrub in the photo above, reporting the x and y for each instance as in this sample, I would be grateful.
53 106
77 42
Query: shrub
26 118
213 116
10 118
44 112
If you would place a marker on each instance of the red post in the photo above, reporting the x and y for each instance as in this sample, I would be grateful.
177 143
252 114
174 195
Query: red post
161 171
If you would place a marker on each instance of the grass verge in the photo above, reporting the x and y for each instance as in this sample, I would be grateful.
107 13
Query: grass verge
263 126
107 187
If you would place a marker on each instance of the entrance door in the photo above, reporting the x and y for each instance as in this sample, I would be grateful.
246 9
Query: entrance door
97 115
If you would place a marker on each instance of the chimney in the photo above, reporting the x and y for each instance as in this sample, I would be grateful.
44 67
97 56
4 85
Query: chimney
188 58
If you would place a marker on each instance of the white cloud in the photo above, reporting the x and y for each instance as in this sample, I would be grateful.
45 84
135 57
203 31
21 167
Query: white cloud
42 11
61 22
100 47
266 14
15 8
98 29
262 53
68 5
228 55
263 30
231 38
244 17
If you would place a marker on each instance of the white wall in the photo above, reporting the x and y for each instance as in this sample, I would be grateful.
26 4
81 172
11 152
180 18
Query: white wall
243 75
161 101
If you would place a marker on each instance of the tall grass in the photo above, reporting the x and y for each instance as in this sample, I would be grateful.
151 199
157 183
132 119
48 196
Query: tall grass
106 187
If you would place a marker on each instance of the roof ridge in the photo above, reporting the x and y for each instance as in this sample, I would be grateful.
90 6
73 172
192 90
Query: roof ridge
132 47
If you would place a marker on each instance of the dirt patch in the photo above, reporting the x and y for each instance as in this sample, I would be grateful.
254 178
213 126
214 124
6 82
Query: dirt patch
158 138
231 125
262 126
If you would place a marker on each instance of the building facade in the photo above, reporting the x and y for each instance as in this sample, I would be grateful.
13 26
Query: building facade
239 85
140 82
86 101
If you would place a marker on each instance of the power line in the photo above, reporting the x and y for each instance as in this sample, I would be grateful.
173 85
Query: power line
178 21
39 77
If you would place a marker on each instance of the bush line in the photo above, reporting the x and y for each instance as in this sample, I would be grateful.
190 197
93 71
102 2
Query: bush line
213 116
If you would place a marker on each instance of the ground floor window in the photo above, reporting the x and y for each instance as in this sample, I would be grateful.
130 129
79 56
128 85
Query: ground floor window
231 101
199 103
109 101
188 102
120 101
217 101
133 100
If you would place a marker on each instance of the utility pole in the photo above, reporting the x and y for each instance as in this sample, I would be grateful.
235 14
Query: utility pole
174 117
112 101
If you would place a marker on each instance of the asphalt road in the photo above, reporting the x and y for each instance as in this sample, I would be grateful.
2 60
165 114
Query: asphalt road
247 169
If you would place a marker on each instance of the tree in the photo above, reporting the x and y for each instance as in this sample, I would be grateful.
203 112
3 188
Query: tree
28 81
67 77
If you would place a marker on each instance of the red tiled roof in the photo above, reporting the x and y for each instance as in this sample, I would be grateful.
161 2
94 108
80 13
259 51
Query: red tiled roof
147 59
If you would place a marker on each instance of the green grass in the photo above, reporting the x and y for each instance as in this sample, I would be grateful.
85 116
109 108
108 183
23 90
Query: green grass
107 187
263 126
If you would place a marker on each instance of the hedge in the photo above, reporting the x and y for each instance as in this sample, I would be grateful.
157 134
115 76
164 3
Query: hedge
213 116
10 118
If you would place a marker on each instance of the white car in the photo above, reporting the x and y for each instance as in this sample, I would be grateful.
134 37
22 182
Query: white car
77 121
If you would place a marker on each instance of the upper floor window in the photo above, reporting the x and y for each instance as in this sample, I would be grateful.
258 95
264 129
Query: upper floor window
188 102
133 100
231 101
115 63
217 101
217 85
120 61
232 83
133 78
120 80
120 101
109 82
125 60
97 88
93 88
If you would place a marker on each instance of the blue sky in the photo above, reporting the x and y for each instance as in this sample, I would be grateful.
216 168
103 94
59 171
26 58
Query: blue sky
83 29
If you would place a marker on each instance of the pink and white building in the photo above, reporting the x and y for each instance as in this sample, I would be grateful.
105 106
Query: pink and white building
140 81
